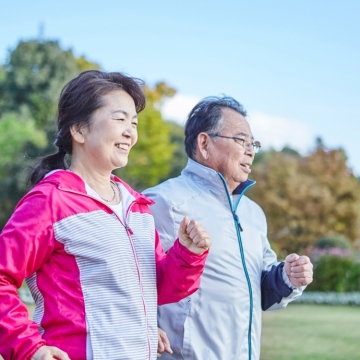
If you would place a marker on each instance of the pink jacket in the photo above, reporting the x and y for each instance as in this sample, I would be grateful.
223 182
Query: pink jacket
96 281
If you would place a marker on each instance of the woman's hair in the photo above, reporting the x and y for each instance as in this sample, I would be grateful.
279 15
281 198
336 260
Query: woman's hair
78 100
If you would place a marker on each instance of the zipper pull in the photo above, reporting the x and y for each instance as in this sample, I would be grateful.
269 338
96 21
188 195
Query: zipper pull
129 230
238 221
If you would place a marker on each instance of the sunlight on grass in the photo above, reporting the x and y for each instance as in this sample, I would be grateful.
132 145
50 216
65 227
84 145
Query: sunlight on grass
311 332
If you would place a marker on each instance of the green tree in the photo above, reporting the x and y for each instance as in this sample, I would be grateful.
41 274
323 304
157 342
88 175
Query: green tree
179 158
30 84
150 158
35 73
17 134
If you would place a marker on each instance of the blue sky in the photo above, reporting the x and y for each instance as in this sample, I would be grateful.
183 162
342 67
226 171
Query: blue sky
295 66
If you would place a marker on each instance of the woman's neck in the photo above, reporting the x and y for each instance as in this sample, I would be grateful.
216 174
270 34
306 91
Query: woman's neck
98 180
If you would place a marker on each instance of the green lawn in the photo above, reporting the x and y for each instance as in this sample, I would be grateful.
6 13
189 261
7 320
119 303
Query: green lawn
311 332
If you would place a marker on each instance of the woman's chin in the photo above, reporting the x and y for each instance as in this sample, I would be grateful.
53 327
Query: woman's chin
120 164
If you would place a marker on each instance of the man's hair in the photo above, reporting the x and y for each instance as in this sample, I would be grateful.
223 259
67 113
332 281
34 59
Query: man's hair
207 117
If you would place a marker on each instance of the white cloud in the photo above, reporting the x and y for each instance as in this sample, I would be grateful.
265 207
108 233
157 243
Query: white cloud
178 107
278 132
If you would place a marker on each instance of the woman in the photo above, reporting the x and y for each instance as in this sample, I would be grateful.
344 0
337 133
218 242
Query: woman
85 241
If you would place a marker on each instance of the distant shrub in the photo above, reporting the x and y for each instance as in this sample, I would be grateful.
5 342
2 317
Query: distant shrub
335 273
334 241
329 298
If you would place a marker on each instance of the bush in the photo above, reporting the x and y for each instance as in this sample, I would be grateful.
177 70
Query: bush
329 298
335 241
335 273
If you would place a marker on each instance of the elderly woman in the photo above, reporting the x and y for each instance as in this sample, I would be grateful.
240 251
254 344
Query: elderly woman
85 242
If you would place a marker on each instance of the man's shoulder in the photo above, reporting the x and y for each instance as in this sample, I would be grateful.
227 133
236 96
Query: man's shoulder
167 185
251 205
173 190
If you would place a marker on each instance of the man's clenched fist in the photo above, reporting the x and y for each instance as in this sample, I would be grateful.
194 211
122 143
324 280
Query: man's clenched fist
299 269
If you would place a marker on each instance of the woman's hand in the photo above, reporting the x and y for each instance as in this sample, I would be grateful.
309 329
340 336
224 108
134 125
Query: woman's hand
194 236
50 353
163 343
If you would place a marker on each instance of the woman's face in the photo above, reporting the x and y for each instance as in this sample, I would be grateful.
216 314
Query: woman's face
112 132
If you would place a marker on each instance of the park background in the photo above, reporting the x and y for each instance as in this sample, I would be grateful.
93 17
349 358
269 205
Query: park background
295 66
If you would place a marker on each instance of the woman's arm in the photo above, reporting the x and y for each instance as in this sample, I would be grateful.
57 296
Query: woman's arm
26 242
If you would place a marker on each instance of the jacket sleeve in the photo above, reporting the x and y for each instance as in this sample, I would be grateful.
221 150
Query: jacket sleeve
179 270
276 288
24 247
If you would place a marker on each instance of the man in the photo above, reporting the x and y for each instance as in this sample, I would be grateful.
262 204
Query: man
222 320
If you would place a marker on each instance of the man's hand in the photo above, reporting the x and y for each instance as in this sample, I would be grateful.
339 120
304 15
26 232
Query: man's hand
50 353
194 236
299 269
163 343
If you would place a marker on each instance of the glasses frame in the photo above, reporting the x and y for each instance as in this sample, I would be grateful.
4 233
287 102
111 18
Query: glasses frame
255 144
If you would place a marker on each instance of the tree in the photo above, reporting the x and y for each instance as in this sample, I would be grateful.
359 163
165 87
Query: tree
179 158
150 158
35 73
306 198
17 133
30 84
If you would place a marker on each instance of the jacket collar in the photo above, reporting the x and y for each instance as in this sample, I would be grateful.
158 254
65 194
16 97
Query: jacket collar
67 180
210 178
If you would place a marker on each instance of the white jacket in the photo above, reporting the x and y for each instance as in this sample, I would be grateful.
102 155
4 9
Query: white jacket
222 320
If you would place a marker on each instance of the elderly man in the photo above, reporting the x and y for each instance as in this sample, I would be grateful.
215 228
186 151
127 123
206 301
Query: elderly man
222 320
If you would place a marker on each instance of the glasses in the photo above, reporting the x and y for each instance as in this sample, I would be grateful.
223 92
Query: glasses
255 145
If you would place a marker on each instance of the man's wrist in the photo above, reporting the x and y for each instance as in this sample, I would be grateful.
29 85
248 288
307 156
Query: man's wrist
287 279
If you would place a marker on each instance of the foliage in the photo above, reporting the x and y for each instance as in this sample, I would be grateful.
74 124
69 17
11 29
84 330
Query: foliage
335 273
179 158
36 71
335 241
150 158
329 298
17 134
305 197
30 84
14 128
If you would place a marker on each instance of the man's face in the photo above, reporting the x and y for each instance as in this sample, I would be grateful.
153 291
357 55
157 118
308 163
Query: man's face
228 156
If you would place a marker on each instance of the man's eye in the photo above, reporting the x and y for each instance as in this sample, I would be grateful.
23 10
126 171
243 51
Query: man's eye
121 119
135 124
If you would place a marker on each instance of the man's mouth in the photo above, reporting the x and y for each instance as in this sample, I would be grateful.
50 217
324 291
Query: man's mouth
246 168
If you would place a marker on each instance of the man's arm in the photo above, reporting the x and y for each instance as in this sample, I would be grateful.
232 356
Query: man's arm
179 270
283 282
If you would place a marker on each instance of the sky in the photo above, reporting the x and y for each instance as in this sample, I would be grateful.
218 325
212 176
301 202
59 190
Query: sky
294 65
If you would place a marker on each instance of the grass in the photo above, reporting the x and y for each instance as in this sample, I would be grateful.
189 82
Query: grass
311 332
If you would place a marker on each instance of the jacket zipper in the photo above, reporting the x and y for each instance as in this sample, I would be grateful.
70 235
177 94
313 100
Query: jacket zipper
129 233
239 229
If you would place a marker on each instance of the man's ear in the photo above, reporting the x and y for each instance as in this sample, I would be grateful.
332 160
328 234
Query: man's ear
77 133
203 144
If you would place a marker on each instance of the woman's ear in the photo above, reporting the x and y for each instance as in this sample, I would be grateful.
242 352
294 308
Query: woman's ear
77 133
203 144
